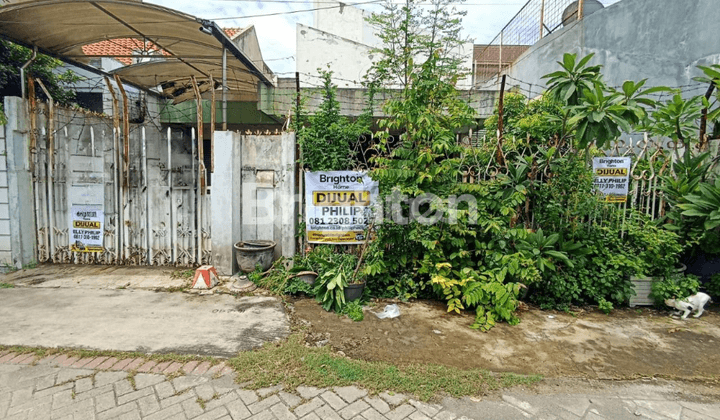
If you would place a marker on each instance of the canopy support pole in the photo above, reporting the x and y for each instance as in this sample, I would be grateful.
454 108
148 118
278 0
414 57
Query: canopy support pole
50 183
22 71
116 171
224 91
212 124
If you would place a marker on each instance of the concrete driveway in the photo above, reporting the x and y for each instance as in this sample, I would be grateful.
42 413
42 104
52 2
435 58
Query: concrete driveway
139 320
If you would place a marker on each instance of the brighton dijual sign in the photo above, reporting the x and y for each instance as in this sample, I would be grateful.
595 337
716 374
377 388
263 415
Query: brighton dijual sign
612 177
338 206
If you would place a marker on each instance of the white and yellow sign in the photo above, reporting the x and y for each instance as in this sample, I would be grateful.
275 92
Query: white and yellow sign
612 177
338 206
86 228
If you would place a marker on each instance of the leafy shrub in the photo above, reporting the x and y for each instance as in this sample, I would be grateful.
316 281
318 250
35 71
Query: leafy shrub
274 280
658 250
354 311
538 119
674 287
335 271
605 306
713 286
296 286
602 267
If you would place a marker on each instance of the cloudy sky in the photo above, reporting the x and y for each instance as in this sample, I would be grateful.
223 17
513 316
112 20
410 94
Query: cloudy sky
275 20
276 33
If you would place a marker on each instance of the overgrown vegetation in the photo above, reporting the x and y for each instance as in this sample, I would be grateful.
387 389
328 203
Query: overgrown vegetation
518 215
327 138
13 56
674 287
713 286
335 269
536 227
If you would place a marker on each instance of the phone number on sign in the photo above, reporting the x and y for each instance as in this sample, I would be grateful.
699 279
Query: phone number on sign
337 221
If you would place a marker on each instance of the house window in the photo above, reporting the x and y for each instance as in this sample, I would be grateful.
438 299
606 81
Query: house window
90 100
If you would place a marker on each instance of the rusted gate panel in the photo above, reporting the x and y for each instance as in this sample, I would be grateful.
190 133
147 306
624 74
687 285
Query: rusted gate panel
147 188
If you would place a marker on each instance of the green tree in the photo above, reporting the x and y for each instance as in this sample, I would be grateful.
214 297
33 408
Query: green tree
538 120
471 266
327 138
593 112
13 56
411 35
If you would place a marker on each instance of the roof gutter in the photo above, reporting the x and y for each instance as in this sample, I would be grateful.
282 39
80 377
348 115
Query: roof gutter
22 71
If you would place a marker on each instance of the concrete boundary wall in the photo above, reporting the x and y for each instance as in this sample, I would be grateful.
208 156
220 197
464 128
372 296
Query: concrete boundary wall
253 194
19 197
661 40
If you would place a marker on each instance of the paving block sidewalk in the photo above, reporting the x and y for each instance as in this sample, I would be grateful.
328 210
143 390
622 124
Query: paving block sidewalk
66 388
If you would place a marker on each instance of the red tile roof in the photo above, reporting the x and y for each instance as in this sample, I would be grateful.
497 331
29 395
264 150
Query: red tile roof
119 47
231 32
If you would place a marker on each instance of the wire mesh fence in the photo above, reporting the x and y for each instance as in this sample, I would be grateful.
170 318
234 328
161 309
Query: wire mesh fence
652 163
536 20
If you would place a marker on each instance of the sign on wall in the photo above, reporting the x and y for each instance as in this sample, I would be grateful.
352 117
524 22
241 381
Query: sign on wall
612 176
338 206
86 228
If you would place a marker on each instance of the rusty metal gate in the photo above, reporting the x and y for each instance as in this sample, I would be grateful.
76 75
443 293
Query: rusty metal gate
147 181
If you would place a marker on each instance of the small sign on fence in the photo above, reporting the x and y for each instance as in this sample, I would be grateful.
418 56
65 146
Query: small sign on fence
612 177
338 206
86 229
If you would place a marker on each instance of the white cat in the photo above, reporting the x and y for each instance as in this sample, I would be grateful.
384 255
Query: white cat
692 303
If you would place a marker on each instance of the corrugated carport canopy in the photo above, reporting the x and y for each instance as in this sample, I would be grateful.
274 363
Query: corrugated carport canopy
62 27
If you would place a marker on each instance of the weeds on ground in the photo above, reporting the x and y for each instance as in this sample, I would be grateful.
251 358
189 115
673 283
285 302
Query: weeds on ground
354 311
6 286
293 364
41 352
131 378
201 402
8 268
273 280
183 274
508 380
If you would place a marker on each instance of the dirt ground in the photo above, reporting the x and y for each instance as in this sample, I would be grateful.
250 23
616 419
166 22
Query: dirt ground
628 344
631 343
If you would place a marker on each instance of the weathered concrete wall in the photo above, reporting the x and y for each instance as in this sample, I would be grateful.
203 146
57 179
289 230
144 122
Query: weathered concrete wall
661 40
268 182
346 20
281 99
316 49
341 39
19 191
253 194
226 213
